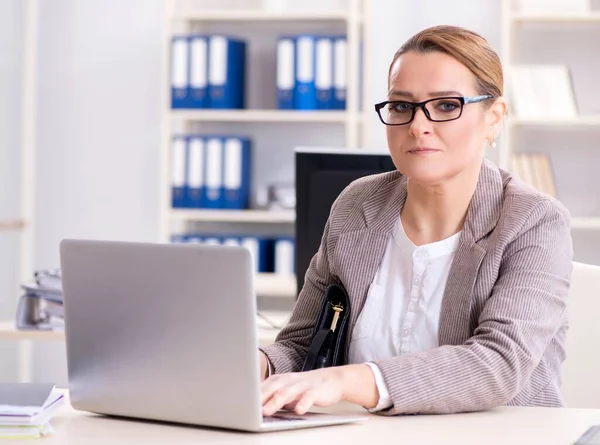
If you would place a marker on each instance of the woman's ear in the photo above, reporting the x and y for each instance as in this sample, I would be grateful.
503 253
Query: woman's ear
495 117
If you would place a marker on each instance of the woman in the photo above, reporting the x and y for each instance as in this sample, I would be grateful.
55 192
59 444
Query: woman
457 272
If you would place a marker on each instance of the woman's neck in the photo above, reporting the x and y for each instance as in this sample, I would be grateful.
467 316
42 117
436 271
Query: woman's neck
435 212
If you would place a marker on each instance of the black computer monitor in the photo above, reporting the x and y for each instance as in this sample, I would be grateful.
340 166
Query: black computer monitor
321 175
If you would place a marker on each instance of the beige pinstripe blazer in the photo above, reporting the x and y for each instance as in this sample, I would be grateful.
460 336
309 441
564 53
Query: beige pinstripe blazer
503 320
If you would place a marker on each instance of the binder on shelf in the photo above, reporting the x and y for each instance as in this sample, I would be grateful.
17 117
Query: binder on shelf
194 239
284 255
198 82
305 90
286 62
213 196
178 174
195 172
324 73
536 89
340 69
237 169
179 72
231 241
178 239
258 248
212 240
226 72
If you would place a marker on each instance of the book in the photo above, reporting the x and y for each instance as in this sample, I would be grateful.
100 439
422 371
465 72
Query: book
28 404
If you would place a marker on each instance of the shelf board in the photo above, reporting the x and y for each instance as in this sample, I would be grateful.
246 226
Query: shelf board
259 16
261 116
585 223
12 224
8 331
243 216
579 121
583 17
275 286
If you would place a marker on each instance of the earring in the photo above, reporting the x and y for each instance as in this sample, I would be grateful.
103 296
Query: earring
492 143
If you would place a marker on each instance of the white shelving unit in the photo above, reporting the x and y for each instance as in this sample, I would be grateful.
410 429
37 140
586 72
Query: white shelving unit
589 17
234 216
559 124
260 27
260 116
24 223
586 229
258 16
586 223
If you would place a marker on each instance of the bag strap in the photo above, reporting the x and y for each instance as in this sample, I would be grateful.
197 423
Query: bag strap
320 338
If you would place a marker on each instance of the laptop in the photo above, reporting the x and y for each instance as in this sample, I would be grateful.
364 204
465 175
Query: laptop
167 332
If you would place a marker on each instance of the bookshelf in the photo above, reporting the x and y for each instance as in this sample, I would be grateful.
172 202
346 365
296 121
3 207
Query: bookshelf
274 133
235 216
250 15
558 38
559 124
589 17
260 116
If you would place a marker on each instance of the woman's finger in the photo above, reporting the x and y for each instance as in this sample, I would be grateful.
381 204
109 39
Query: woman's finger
306 402
284 396
270 386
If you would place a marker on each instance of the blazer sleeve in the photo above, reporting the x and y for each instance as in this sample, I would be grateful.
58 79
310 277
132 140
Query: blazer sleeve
289 351
524 312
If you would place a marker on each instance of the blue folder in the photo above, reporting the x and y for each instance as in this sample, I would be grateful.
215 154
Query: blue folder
214 167
340 70
179 72
305 89
237 171
227 68
178 172
196 171
324 73
198 72
286 74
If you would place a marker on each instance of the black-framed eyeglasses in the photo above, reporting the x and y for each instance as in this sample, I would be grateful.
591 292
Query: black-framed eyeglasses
439 109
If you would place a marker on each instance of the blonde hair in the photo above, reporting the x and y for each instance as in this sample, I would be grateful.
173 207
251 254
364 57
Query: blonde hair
468 47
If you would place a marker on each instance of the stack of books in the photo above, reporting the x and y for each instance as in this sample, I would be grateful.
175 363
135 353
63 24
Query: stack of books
536 170
41 304
27 408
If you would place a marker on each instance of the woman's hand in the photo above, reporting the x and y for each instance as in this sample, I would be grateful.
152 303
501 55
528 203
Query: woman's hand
300 391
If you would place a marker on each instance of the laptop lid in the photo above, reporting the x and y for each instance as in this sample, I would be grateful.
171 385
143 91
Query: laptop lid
162 331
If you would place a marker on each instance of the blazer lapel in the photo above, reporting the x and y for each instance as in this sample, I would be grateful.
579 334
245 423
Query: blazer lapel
359 252
482 217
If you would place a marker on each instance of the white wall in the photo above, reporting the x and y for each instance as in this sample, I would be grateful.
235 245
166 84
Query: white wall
11 41
98 129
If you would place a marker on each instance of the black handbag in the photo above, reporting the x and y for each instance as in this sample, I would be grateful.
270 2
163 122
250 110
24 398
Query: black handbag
328 343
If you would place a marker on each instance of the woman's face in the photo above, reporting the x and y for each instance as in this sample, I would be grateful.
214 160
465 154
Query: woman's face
433 152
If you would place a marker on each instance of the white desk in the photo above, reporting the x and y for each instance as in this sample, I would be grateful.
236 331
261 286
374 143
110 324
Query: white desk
502 426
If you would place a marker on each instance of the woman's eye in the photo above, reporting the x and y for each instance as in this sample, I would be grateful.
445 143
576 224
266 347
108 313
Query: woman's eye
447 106
401 107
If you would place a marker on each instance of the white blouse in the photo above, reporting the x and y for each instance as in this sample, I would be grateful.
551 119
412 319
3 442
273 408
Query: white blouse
402 309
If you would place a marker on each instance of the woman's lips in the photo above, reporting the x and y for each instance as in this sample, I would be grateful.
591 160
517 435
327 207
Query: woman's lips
422 151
